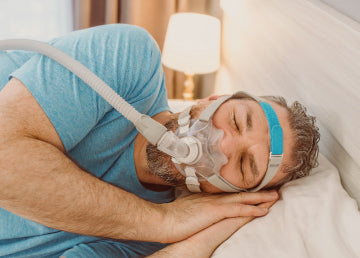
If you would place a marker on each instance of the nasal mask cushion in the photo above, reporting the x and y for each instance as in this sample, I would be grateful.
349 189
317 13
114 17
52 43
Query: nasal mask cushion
208 165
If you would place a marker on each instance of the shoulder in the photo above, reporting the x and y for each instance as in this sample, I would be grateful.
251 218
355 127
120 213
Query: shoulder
124 32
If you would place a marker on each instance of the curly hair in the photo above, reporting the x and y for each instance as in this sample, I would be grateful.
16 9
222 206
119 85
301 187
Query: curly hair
307 136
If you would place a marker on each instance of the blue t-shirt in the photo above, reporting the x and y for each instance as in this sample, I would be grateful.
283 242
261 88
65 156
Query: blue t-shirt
96 136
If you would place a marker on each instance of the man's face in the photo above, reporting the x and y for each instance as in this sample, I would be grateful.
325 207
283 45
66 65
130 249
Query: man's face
246 144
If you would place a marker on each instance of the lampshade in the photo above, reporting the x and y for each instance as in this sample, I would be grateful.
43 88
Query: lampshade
192 43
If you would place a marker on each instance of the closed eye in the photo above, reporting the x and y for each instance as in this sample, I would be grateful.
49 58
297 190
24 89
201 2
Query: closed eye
241 167
235 123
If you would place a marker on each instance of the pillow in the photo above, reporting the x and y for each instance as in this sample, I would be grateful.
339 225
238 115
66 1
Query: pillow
315 217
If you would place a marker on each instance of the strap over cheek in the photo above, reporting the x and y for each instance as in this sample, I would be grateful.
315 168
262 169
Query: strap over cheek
192 181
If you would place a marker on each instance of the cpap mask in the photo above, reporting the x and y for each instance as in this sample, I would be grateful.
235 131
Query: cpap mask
195 148
209 162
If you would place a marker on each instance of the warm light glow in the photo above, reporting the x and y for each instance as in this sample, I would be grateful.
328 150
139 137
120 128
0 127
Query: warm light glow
192 43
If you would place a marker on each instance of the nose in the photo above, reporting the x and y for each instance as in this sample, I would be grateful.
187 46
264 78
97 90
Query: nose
228 145
234 145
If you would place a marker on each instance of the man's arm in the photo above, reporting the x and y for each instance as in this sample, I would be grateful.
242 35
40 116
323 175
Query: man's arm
39 182
204 243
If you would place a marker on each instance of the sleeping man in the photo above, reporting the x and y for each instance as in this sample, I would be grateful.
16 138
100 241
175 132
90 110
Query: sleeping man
78 180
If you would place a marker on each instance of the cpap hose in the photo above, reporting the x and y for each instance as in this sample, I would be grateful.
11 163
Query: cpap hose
153 131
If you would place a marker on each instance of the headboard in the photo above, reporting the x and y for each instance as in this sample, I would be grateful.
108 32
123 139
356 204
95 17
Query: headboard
303 50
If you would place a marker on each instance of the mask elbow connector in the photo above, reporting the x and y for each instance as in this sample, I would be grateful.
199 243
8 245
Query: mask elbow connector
186 150
150 129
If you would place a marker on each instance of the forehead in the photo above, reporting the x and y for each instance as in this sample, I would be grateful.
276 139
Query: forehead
197 109
242 104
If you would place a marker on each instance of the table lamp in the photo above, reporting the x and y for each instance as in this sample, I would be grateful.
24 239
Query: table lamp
192 46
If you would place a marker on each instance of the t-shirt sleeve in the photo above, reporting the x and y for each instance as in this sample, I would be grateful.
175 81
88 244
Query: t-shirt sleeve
125 57
10 61
110 248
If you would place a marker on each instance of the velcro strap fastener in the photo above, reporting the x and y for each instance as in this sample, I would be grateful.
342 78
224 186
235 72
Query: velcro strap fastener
192 181
184 120
183 129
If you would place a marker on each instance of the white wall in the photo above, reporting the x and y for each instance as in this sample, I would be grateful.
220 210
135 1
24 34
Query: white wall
304 51
350 8
35 19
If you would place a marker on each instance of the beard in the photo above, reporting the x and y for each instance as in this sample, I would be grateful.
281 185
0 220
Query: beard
160 163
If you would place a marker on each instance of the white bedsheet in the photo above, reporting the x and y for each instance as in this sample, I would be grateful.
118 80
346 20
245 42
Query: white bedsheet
314 217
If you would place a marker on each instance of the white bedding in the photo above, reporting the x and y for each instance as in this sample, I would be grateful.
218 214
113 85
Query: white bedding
315 217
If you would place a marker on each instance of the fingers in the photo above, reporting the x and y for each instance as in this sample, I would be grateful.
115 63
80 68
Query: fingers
239 204
212 97
188 215
222 230
267 205
252 198
217 233
245 210
249 204
215 97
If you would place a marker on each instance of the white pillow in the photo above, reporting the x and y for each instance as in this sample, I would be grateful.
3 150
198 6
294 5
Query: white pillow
315 217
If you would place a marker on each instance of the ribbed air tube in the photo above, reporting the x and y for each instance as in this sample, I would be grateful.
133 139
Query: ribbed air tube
78 69
148 127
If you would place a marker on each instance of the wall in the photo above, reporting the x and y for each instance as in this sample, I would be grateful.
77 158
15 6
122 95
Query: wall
350 8
306 51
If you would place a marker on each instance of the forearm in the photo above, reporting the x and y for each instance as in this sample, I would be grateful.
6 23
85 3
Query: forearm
40 183
180 250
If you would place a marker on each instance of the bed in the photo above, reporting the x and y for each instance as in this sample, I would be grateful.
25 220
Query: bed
306 50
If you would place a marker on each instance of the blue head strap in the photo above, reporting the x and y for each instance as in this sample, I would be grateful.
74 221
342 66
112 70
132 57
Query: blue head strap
276 132
276 144
276 139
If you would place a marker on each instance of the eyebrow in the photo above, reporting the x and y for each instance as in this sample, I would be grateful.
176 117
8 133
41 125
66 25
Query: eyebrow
249 123
253 167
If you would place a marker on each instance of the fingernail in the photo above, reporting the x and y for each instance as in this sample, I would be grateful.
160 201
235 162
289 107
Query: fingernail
274 194
264 210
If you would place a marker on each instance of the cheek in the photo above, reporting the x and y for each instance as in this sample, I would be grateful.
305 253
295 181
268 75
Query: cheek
218 122
232 174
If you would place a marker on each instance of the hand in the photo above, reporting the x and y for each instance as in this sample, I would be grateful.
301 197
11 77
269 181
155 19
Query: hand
207 240
212 97
186 216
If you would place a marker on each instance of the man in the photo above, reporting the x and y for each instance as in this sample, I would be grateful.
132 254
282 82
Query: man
77 180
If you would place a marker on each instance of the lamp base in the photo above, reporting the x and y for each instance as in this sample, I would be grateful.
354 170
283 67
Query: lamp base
189 86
